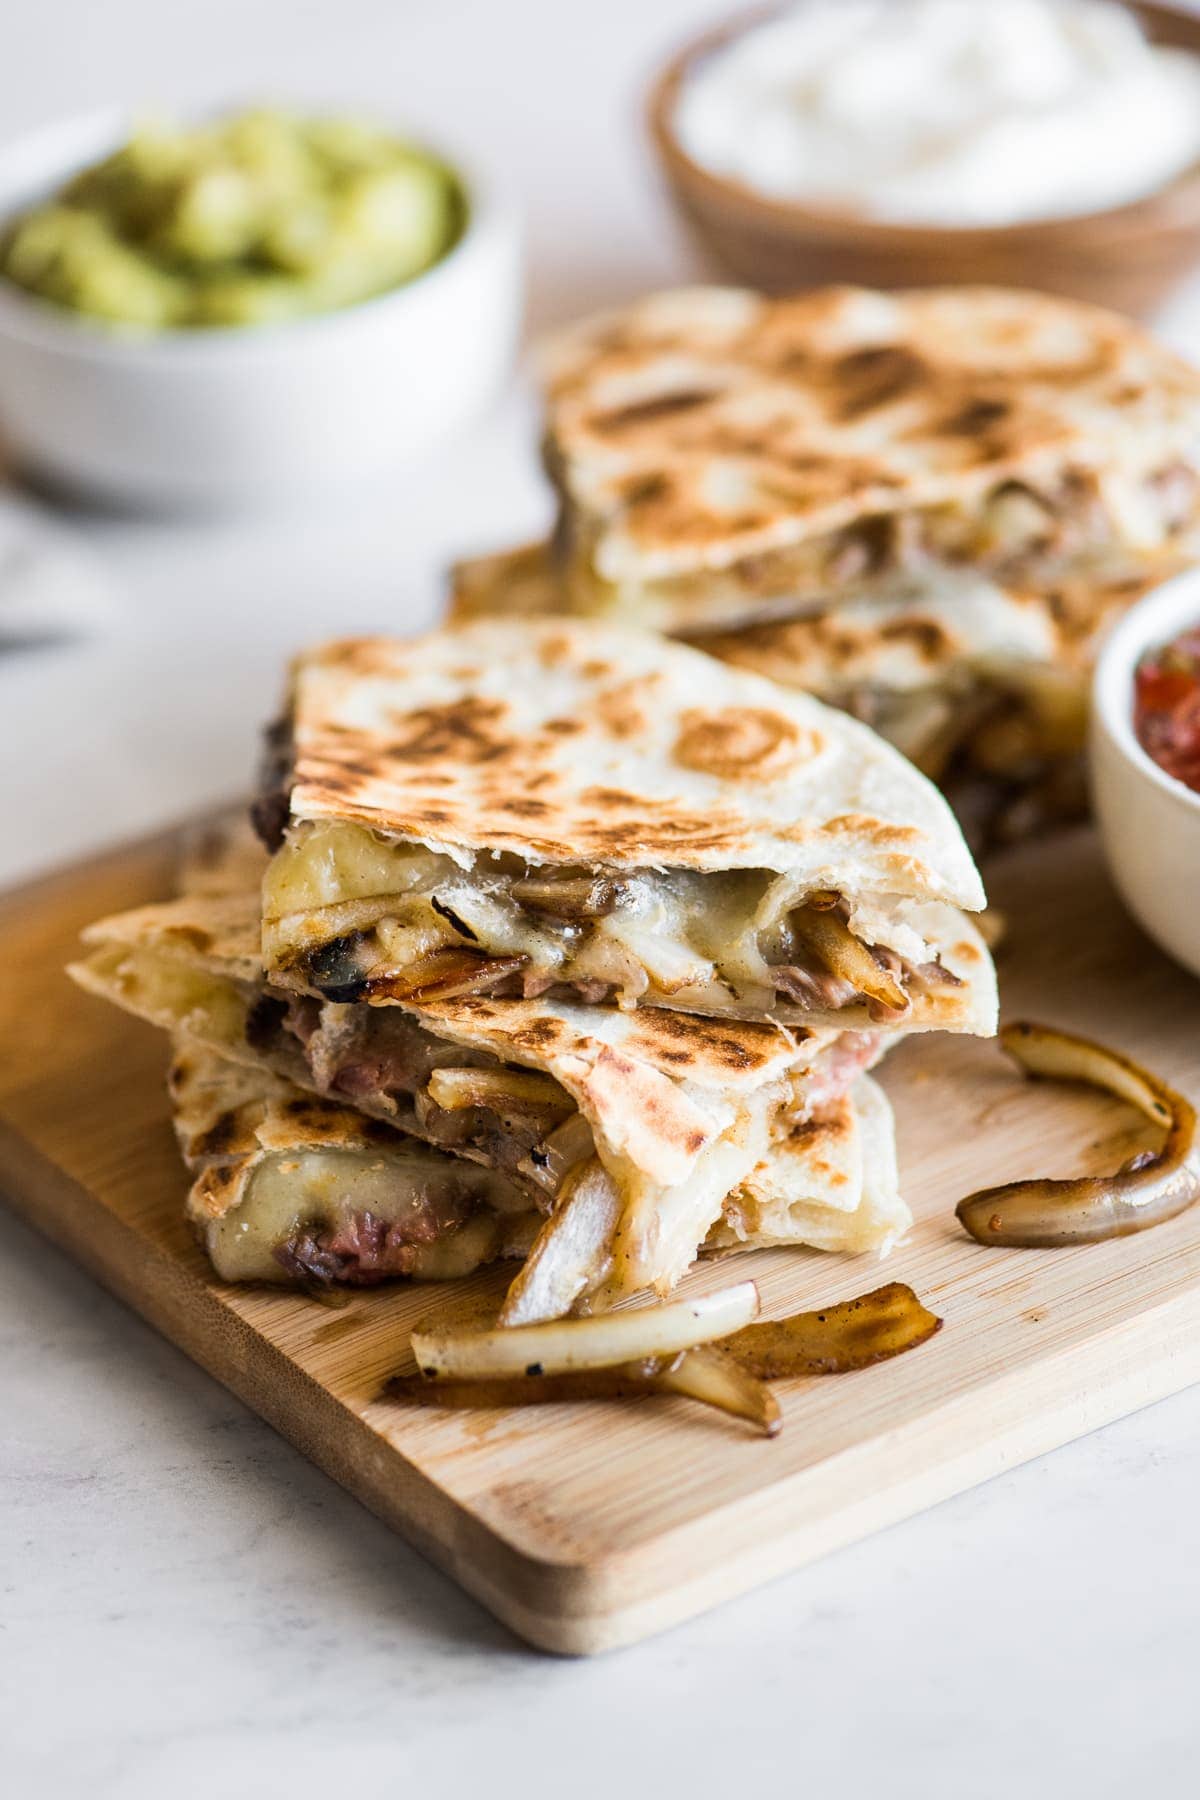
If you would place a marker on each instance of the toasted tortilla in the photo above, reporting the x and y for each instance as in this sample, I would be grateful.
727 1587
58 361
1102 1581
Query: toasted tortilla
769 1208
722 456
439 791
572 742
293 1189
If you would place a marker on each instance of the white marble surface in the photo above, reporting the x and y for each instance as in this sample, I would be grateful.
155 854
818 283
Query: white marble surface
187 1607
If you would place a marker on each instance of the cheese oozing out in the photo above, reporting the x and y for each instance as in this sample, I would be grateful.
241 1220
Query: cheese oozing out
350 914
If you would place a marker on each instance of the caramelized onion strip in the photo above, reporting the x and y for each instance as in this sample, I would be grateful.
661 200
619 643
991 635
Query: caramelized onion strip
851 1335
710 1374
601 1340
694 1374
445 975
1150 1188
825 935
507 1090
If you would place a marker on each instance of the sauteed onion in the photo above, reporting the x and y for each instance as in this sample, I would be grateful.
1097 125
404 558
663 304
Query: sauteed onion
704 1375
602 1340
1148 1189
582 1359
826 936
851 1335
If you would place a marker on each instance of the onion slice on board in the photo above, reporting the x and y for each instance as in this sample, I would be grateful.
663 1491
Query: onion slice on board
696 1374
851 1335
599 1341
1150 1188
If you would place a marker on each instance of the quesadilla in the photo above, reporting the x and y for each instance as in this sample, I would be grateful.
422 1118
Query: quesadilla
577 812
289 1188
984 688
628 1130
721 457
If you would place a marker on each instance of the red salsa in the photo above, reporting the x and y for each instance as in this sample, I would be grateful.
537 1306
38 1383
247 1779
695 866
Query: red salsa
1166 707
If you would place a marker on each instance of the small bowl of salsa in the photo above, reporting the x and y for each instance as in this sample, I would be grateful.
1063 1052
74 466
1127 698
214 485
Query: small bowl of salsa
1166 706
1145 756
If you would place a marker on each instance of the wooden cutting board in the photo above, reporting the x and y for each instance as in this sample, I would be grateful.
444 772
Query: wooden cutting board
591 1526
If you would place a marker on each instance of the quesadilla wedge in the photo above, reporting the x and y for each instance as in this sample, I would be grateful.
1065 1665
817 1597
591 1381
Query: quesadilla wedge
722 458
569 810
645 1122
289 1188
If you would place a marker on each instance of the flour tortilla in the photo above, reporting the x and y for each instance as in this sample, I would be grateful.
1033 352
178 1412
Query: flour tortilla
710 430
769 1210
574 742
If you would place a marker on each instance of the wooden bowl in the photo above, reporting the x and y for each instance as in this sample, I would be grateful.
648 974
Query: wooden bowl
1128 257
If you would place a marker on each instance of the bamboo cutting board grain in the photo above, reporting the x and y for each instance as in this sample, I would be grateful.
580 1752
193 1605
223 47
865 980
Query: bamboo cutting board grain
590 1526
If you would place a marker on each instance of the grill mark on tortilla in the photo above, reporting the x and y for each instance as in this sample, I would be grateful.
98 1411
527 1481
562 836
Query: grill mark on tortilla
742 743
463 729
877 376
642 412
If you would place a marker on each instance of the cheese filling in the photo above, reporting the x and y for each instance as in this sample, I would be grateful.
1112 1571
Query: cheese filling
352 915
365 1215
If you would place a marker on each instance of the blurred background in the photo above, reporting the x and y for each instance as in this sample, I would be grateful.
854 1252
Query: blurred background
153 712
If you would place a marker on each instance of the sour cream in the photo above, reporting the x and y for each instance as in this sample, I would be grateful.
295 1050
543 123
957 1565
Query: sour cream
946 112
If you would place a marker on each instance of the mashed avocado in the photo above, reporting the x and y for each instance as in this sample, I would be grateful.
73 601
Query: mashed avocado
250 220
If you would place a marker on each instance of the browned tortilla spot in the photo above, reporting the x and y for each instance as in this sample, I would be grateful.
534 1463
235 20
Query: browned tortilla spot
195 935
358 656
974 416
465 729
742 743
686 1037
642 412
862 825
928 638
224 1135
875 377
619 709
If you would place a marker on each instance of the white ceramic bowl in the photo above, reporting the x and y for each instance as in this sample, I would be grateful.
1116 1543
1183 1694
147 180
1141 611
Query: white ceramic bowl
239 416
1150 822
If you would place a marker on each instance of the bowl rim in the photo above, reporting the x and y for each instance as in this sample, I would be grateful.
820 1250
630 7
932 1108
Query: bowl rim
1140 217
52 150
1155 619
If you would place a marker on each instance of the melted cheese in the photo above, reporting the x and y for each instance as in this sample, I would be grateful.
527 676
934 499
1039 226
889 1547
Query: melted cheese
703 941
322 1189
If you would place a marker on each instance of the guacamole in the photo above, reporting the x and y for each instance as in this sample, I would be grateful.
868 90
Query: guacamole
250 220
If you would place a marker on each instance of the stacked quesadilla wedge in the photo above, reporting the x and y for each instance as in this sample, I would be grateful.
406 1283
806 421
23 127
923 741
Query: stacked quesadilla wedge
574 945
924 507
570 810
